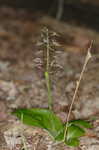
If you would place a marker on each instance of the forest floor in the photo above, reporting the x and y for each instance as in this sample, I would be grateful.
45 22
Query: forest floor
23 86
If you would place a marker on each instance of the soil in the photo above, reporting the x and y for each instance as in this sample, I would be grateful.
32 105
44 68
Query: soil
22 83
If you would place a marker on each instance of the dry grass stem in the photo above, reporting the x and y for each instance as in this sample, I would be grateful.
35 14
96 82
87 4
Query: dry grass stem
88 57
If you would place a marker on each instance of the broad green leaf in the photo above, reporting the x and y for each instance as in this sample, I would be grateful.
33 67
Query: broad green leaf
74 131
82 123
73 142
25 116
60 135
42 118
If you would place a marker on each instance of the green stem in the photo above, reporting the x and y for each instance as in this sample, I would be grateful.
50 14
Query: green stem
48 52
49 90
47 76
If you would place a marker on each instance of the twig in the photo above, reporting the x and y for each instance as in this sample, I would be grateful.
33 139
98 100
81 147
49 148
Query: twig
88 56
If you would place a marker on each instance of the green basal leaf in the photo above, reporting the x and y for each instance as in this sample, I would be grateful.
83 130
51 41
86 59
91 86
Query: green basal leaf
27 118
42 118
74 131
47 120
60 135
73 142
82 123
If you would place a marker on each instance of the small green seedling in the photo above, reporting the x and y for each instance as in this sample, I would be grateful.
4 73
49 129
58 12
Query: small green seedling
68 133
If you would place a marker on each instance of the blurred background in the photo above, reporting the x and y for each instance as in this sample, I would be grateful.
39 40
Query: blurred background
84 12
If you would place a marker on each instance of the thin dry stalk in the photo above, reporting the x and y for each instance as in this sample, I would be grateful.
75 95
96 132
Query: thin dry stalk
88 56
